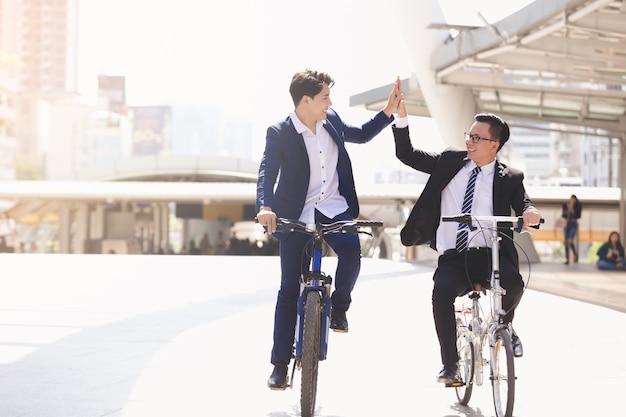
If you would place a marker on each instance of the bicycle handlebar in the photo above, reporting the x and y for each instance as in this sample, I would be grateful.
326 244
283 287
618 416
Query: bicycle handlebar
341 226
495 220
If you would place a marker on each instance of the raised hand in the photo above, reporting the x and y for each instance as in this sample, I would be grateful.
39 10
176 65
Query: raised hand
402 107
395 96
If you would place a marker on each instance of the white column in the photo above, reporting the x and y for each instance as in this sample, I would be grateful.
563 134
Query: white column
64 227
165 226
161 226
452 108
622 187
82 228
157 224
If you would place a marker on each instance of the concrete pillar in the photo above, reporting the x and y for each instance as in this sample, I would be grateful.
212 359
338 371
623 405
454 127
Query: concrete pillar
97 222
452 108
161 226
157 227
165 226
81 234
65 222
622 187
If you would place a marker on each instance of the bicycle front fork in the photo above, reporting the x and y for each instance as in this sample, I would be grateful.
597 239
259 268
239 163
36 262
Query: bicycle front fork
320 283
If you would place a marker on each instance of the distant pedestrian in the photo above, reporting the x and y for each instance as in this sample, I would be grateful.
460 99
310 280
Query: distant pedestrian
205 244
571 213
611 254
193 249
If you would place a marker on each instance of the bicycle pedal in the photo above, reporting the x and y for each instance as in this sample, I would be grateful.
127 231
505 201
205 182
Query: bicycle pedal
455 384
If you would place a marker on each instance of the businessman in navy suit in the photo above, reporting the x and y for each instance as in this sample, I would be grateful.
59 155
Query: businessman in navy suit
498 191
306 174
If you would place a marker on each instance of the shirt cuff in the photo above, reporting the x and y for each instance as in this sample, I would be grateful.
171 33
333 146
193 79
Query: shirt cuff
401 122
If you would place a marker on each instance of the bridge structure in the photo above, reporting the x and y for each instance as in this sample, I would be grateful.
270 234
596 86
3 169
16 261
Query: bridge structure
561 63
558 65
88 214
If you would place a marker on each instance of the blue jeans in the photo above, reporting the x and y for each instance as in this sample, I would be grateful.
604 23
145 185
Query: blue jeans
294 260
570 230
611 266
569 233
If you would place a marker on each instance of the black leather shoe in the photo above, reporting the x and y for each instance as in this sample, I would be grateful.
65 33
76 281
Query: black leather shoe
278 380
449 375
518 349
338 321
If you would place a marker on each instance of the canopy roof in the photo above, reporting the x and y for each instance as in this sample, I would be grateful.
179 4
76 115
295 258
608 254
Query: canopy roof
559 61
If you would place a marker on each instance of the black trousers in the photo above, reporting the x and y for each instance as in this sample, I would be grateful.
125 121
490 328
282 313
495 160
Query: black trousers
452 280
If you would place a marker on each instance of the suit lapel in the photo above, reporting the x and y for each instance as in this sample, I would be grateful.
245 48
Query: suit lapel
500 173
298 136
451 170
333 133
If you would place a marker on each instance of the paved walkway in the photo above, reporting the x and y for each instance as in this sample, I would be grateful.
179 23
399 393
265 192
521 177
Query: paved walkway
189 336
581 282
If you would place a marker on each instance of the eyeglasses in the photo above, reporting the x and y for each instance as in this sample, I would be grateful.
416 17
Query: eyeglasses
476 138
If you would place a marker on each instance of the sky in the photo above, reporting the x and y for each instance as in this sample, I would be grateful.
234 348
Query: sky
240 54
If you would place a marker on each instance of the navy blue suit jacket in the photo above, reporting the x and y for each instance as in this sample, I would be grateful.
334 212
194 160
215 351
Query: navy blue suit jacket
285 155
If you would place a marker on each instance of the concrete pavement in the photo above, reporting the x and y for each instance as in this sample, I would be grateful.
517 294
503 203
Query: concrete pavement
583 282
152 336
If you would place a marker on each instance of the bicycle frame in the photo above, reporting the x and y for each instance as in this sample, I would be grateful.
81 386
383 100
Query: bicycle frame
315 279
497 312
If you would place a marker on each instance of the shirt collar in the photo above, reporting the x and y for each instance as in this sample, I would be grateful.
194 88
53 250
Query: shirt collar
485 169
301 127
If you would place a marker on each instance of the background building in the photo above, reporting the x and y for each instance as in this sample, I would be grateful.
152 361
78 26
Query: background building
42 36
8 143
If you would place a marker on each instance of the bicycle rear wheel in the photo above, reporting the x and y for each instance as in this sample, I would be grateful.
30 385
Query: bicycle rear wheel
503 374
465 348
310 353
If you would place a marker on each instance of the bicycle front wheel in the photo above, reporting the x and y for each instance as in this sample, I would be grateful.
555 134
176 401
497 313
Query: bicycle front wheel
503 374
310 353
465 348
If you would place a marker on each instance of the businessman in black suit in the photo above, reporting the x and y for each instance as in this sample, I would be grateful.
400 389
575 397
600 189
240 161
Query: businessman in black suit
315 184
498 190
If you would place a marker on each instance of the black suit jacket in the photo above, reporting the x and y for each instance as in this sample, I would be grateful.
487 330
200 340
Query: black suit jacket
509 194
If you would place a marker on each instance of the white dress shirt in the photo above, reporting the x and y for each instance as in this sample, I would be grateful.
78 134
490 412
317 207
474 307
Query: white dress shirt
452 202
323 192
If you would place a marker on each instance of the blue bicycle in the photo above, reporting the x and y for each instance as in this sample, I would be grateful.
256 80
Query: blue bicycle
313 323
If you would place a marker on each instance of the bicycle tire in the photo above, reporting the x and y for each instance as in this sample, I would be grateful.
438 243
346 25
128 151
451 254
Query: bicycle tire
503 374
465 349
310 353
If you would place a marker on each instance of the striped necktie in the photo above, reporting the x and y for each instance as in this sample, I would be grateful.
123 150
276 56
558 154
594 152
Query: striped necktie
462 233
